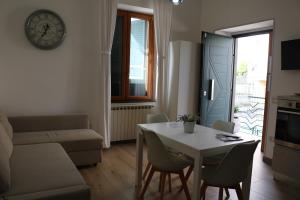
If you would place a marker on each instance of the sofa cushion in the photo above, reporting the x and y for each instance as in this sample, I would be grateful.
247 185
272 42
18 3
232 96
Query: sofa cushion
71 140
4 169
32 138
44 123
5 141
6 124
43 169
78 140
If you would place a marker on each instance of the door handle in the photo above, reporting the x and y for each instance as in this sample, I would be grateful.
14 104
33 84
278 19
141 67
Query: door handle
211 89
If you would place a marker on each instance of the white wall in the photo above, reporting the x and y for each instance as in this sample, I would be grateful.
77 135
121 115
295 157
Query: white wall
34 81
186 21
217 15
139 3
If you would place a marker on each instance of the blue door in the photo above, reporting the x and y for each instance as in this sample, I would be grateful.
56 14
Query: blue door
217 78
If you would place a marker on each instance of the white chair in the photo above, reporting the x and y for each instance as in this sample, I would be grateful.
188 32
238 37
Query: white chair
225 127
155 118
232 170
215 160
165 162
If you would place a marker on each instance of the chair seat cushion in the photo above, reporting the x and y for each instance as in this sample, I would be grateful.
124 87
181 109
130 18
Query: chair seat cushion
213 160
212 177
178 161
71 140
42 168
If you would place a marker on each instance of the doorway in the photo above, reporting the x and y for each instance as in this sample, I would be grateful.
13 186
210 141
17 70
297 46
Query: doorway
235 79
250 93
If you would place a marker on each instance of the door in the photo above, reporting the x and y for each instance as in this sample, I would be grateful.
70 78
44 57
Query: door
217 76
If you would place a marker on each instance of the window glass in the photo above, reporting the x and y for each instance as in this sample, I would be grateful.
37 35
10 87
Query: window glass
138 68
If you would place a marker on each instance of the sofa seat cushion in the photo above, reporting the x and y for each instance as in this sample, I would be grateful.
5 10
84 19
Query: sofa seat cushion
5 181
42 168
6 124
5 141
71 140
31 138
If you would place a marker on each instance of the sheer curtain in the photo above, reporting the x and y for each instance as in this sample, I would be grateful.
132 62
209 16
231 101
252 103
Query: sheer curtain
162 21
107 19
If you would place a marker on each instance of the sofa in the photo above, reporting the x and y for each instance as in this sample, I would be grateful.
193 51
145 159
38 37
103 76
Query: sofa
82 144
35 158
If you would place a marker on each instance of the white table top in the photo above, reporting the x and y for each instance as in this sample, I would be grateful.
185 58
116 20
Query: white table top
202 140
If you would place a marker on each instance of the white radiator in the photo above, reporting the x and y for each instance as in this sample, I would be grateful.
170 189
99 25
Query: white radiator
124 120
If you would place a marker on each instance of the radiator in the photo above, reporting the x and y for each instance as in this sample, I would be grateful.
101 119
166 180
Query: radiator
124 120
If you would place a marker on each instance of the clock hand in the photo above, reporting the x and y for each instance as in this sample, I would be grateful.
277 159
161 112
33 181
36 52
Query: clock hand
46 28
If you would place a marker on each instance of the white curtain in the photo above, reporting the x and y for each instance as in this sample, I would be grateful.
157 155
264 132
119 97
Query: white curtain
162 22
107 20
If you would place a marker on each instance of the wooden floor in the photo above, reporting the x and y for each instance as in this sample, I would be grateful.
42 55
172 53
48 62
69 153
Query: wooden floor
113 179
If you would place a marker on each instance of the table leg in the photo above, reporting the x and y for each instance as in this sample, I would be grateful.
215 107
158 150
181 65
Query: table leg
139 164
197 177
246 185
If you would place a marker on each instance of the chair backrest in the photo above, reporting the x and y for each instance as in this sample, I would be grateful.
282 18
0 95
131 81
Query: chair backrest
158 155
224 126
234 167
157 118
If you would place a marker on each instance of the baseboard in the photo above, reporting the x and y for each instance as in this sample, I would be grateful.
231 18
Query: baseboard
123 142
267 160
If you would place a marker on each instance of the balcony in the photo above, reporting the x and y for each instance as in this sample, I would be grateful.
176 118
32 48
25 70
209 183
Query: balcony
249 114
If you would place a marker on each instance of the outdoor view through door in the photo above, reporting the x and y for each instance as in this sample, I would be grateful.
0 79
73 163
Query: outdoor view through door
250 86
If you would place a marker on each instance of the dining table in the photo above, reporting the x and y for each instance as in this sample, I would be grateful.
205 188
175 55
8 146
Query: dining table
199 144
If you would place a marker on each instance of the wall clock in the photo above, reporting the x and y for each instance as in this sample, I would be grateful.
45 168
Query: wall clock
45 29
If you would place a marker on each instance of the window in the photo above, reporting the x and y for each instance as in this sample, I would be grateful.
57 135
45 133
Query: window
132 57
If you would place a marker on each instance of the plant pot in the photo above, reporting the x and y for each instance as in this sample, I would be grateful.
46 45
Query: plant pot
189 127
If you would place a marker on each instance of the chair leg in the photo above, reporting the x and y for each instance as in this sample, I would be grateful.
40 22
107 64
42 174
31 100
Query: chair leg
163 181
170 184
189 172
147 182
146 170
185 188
220 193
227 193
187 176
203 191
239 192
160 180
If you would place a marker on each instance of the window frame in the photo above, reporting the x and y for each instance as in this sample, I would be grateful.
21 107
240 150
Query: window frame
125 97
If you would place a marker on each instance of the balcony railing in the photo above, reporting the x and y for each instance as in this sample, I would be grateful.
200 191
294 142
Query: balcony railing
250 114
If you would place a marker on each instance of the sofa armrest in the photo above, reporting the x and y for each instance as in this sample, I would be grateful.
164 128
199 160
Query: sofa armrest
44 123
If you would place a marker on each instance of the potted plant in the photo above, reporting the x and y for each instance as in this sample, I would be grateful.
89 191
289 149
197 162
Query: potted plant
189 121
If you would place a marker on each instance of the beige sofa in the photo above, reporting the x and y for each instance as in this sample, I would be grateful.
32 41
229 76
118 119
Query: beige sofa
37 171
83 145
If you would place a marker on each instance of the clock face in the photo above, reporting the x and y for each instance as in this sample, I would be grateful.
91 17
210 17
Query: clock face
45 29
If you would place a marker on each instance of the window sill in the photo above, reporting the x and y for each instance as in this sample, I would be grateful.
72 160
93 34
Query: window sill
148 103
